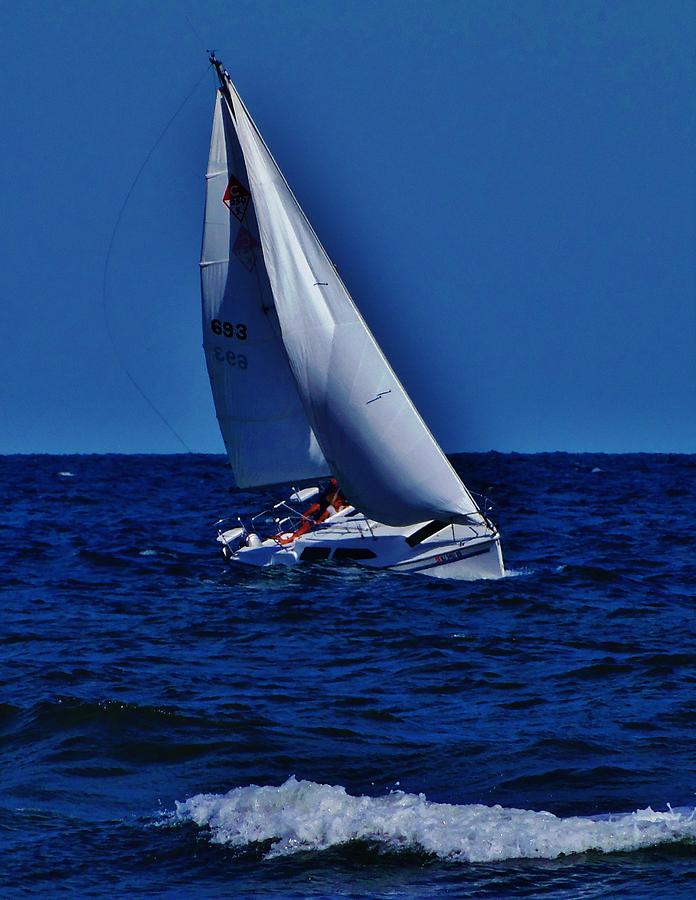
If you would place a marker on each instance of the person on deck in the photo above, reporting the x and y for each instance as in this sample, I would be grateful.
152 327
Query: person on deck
330 501
335 501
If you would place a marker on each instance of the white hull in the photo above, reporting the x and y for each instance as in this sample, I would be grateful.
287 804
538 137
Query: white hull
435 549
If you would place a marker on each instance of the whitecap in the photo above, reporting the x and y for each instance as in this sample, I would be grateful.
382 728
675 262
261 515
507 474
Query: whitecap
305 816
147 553
66 474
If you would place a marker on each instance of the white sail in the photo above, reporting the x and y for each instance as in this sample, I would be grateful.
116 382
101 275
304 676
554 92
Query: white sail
375 442
262 419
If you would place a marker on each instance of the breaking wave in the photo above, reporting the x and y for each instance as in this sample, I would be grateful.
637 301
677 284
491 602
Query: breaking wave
305 816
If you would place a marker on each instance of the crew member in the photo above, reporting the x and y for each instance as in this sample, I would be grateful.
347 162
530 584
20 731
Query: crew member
330 501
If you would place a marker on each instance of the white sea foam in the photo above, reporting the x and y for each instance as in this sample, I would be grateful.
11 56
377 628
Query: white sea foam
302 815
66 474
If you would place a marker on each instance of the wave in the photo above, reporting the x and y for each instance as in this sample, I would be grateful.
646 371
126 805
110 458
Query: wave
304 816
518 573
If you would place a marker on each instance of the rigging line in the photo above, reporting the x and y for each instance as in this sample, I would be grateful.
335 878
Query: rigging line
195 31
107 260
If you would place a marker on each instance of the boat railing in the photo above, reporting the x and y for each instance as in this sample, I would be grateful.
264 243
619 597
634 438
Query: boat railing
265 513
222 531
226 519
485 506
356 525
271 515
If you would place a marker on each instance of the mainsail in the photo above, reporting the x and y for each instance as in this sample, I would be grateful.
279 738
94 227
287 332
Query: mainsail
262 419
371 435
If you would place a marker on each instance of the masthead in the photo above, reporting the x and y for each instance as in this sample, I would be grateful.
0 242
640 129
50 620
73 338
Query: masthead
223 77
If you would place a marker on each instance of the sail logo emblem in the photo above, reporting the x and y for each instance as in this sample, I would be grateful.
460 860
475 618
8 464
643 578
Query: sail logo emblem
244 248
236 198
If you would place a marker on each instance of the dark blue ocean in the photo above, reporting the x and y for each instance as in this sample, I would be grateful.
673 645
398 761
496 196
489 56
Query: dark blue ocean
172 727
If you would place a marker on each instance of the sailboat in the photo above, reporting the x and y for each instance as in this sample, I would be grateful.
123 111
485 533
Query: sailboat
303 391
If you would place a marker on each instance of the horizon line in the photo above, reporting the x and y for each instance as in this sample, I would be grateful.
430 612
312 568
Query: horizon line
222 454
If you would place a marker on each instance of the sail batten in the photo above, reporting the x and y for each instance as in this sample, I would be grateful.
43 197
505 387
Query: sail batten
370 433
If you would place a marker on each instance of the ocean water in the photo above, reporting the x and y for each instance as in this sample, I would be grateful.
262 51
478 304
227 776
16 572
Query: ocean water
172 727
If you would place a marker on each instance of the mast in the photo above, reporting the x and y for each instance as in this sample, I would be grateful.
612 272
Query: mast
223 76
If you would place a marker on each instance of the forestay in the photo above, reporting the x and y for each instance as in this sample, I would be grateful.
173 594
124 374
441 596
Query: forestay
263 423
375 442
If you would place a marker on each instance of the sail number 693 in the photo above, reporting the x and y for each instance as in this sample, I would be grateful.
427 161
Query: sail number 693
229 330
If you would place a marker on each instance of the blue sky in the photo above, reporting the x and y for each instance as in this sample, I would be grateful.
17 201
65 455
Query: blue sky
507 189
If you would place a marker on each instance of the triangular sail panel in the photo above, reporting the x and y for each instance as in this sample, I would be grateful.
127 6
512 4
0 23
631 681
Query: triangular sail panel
262 419
372 437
